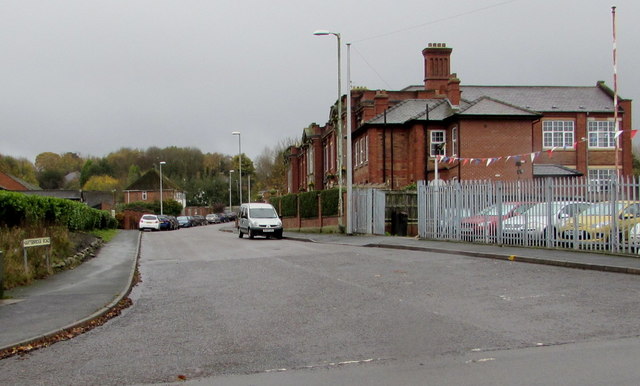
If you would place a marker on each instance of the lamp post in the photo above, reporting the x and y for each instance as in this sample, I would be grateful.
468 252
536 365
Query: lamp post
230 171
239 162
161 208
349 147
339 128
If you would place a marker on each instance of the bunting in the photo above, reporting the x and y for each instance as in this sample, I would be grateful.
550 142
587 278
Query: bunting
516 157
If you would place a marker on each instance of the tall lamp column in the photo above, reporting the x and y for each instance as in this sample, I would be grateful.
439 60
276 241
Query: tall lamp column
239 162
230 203
161 208
339 123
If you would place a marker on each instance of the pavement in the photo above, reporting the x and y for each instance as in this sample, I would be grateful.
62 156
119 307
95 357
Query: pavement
76 297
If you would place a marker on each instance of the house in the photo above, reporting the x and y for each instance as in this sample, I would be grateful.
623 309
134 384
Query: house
147 188
13 183
443 129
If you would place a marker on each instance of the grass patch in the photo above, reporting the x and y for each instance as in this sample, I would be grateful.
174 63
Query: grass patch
105 234
63 251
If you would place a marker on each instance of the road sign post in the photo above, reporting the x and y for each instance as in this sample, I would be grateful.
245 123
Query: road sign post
37 242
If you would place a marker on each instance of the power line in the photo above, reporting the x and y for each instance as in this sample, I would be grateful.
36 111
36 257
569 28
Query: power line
436 21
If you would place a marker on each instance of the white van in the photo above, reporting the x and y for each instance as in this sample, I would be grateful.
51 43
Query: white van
259 219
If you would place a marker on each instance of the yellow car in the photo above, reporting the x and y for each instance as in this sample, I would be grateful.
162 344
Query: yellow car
600 221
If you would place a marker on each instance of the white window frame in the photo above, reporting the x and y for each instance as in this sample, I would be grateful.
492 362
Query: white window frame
325 153
433 141
309 160
144 196
454 141
598 179
601 133
558 133
365 158
356 152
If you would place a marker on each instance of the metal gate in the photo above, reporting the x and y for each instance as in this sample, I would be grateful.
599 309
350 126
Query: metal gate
368 211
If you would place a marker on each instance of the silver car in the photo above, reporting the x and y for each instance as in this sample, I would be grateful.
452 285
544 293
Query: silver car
540 221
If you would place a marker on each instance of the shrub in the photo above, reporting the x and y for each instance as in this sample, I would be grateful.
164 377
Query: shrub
276 202
18 209
169 207
289 205
330 202
309 204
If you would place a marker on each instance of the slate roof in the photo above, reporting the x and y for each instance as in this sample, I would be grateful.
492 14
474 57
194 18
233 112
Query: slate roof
74 195
549 170
440 109
412 109
545 98
151 181
541 98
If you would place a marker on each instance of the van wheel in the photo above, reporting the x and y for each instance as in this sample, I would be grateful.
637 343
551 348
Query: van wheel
240 233
250 234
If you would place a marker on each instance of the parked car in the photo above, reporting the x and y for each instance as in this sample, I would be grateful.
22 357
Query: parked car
259 219
223 217
186 221
150 222
168 223
199 220
533 226
213 218
601 221
484 224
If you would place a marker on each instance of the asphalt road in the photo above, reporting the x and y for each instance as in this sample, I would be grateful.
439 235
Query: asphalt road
216 309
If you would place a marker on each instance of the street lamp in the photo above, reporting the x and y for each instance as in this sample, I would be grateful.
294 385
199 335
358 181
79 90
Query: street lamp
161 209
230 171
349 148
239 162
339 133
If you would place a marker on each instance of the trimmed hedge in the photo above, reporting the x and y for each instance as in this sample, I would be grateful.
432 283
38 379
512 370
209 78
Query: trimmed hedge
169 207
330 202
289 205
18 209
308 204
276 201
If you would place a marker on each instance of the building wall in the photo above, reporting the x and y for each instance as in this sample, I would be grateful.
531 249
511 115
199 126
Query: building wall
494 138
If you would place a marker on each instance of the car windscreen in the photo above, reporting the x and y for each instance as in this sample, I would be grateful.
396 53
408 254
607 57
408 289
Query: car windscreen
493 210
149 217
262 213
602 209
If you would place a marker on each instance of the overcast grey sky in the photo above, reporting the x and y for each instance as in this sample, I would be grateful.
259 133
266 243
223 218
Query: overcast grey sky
92 76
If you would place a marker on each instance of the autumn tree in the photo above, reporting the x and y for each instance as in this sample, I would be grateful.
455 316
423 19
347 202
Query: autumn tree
102 183
19 167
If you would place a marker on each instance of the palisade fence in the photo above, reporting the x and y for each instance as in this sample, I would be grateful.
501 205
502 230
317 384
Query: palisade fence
575 213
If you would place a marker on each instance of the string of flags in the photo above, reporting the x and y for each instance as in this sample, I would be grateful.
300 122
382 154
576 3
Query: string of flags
531 156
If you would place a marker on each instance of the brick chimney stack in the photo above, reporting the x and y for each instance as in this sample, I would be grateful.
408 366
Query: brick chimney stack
453 90
380 102
437 69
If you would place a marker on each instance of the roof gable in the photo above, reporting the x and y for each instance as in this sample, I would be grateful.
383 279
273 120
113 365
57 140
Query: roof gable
489 106
151 181
545 98
9 182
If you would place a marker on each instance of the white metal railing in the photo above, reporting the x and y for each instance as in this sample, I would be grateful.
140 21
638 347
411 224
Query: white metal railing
578 213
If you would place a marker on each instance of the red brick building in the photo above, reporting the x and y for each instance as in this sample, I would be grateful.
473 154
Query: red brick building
470 133
147 188
13 183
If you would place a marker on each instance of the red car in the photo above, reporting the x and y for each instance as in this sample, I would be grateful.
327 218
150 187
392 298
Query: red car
484 224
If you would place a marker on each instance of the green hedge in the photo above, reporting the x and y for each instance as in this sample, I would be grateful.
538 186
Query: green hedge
275 201
19 209
289 205
308 204
330 202
169 207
